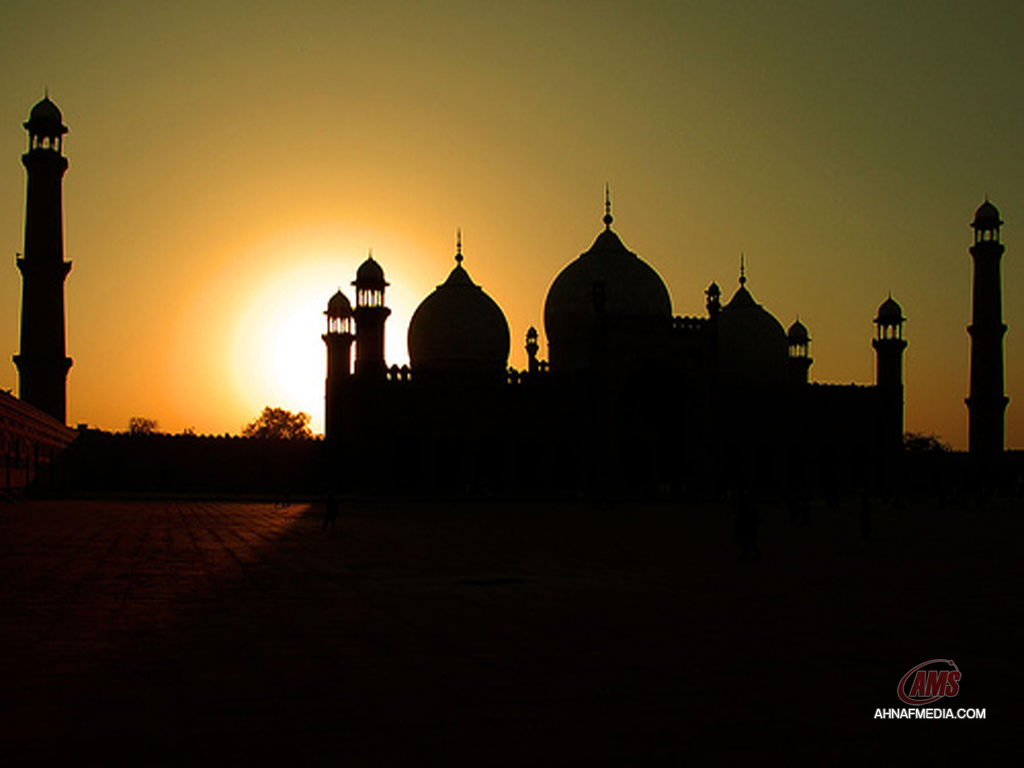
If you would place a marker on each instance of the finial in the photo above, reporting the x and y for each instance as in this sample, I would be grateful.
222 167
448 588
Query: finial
607 207
458 245
743 270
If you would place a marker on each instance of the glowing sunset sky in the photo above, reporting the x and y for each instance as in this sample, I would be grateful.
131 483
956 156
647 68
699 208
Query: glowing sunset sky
231 164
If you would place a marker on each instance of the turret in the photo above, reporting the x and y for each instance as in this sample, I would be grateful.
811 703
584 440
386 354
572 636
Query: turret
370 315
532 346
339 338
798 341
889 346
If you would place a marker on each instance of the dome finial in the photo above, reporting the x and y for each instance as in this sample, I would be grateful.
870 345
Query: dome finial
458 245
743 270
607 206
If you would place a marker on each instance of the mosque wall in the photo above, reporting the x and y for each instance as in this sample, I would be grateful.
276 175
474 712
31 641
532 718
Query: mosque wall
29 441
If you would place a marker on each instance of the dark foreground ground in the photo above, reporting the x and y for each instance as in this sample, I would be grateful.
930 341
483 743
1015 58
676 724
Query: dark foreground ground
194 633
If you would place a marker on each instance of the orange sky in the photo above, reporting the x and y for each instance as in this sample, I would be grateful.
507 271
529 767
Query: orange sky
231 164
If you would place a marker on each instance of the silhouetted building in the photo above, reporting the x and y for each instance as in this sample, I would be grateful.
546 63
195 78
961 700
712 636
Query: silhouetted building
987 402
42 364
631 397
30 440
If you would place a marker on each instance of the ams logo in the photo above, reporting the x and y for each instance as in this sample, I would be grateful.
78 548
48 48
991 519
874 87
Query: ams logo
929 682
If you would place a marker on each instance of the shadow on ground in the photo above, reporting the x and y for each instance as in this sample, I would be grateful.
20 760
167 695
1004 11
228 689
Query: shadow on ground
441 634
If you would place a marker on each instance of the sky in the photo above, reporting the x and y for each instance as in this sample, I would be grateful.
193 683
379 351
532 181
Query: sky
231 165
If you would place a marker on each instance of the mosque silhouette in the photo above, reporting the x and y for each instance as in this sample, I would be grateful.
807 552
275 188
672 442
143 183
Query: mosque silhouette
631 399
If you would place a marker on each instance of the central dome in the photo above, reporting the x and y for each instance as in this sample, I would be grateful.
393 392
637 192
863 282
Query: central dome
610 280
458 330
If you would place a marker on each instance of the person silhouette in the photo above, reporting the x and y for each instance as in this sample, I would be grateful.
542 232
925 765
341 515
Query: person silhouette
747 522
865 515
330 511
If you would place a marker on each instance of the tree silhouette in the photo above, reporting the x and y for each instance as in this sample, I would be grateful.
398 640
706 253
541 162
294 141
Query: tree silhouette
279 424
140 425
919 442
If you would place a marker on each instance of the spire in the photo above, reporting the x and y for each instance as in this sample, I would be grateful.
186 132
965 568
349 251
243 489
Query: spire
743 270
458 246
607 207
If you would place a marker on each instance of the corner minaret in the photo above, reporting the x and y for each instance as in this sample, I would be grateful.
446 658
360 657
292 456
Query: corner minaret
986 403
889 346
338 339
370 315
42 363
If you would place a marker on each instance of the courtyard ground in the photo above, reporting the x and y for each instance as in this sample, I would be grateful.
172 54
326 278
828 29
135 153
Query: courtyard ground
223 633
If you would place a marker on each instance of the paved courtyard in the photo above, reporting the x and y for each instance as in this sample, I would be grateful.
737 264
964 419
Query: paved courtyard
218 633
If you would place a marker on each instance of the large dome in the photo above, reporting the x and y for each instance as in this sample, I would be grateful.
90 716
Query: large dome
752 345
459 330
608 277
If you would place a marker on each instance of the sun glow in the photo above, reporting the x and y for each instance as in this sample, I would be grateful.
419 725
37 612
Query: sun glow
274 351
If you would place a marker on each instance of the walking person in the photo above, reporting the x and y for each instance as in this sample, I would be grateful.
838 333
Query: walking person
747 523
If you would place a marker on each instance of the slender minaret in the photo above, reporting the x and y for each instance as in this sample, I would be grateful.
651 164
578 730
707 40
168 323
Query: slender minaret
42 363
338 339
986 404
889 346
370 315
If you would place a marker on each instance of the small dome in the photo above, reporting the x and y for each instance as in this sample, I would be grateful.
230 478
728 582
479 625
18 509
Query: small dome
339 306
752 346
459 329
987 217
890 313
610 279
797 334
370 275
45 119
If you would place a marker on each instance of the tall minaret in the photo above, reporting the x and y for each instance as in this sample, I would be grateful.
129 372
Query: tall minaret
370 314
42 364
986 404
